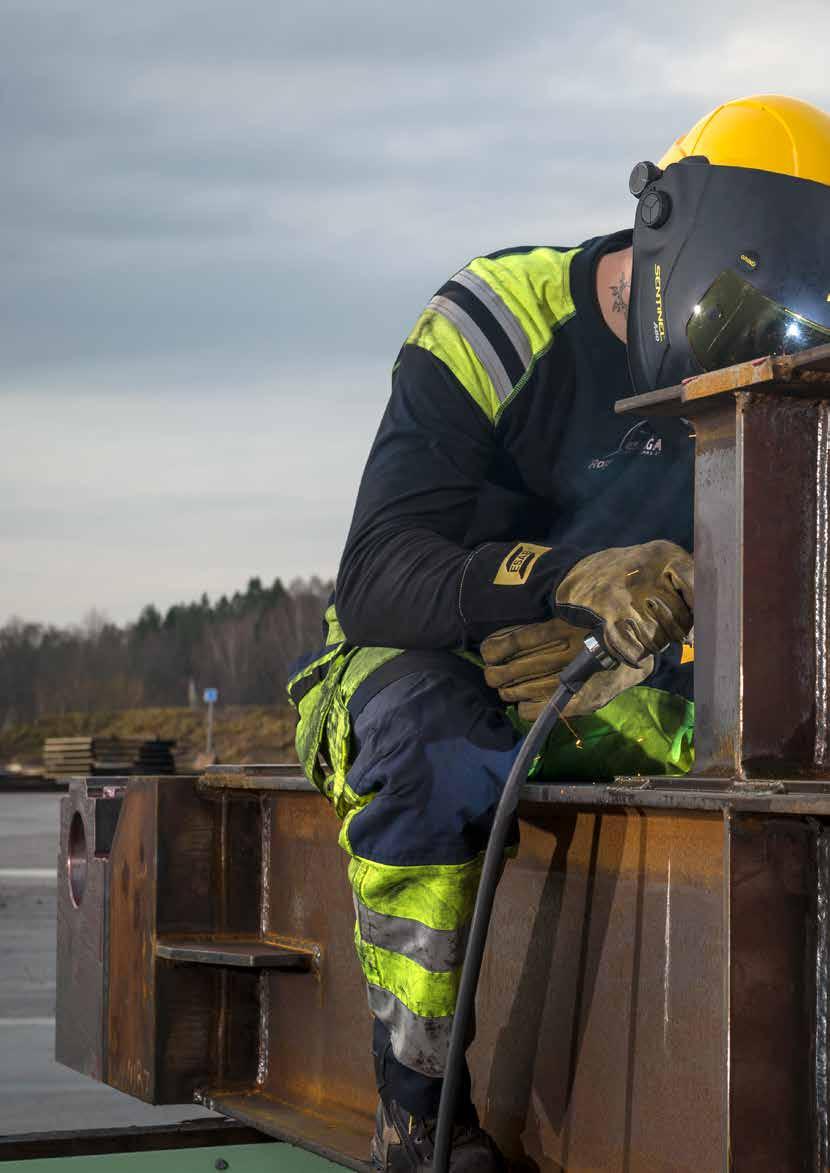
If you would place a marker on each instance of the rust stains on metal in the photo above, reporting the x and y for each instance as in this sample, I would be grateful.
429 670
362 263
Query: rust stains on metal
572 1005
83 919
131 943
772 886
676 835
804 373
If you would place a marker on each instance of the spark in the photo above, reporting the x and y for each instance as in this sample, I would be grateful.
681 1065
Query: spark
571 730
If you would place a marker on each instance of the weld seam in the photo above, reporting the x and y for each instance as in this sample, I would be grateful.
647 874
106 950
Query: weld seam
822 545
822 974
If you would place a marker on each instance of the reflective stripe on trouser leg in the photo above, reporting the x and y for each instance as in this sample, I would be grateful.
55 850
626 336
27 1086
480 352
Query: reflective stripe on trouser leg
417 1042
438 950
412 969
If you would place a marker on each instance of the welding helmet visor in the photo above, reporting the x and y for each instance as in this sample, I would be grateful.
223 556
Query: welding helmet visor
734 322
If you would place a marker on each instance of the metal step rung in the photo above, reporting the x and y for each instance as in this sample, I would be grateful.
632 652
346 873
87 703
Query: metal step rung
244 953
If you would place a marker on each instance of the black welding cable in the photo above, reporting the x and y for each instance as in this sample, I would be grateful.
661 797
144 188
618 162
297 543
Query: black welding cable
594 658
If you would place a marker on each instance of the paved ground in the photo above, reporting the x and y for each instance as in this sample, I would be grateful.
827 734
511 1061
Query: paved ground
36 1094
253 1158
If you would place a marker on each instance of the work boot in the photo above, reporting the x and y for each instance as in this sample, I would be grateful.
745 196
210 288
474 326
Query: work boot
404 1143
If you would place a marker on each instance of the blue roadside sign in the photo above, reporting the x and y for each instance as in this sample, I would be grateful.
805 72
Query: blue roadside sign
211 696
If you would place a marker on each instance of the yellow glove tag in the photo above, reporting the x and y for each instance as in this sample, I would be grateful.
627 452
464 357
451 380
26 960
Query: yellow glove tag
518 565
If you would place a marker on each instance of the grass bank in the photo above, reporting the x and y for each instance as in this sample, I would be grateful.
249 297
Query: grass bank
242 733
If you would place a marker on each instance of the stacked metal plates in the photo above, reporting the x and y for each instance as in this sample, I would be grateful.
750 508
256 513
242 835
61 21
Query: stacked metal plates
155 757
107 756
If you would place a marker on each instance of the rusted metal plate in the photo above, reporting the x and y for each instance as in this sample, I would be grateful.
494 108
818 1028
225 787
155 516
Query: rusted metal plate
242 953
687 794
772 886
785 461
806 373
88 821
318 1053
250 781
761 475
91 1142
336 1136
131 1035
601 1031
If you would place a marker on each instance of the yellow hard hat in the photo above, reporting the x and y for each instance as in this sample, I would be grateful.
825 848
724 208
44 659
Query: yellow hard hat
732 242
768 132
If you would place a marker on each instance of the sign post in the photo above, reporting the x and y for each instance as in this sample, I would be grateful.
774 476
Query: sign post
211 696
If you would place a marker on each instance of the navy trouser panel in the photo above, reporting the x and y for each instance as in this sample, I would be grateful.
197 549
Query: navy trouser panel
434 749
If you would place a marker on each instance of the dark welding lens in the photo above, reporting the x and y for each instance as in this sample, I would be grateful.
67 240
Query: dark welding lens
734 323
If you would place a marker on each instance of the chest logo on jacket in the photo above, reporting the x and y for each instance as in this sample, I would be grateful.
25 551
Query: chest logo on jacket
639 440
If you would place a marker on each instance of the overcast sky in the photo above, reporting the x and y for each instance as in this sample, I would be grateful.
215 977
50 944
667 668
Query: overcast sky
220 220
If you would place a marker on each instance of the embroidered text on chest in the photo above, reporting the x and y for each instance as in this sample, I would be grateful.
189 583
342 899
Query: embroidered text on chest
639 440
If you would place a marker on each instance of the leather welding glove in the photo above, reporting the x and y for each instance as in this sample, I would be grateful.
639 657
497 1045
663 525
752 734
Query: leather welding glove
524 663
643 596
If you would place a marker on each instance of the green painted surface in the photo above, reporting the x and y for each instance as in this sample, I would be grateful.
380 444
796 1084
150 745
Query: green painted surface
243 1158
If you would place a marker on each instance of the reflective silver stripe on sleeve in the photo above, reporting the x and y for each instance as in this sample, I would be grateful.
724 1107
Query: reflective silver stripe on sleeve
473 335
419 1043
438 950
500 311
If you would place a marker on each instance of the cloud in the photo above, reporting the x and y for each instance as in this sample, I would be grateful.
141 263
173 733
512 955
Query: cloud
205 200
143 497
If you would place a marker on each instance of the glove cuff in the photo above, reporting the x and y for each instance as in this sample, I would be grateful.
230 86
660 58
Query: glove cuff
511 582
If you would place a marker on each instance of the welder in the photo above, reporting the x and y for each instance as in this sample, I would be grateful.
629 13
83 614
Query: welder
505 511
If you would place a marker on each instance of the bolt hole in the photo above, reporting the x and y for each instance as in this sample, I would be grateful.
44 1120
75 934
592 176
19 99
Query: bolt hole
77 858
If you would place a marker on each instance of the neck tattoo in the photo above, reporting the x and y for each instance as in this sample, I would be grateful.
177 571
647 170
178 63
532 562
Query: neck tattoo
620 294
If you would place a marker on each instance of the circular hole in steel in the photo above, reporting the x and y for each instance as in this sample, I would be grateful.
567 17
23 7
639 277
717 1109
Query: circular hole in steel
77 858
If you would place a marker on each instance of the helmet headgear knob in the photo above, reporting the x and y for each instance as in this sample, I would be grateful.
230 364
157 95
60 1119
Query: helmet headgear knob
641 176
655 209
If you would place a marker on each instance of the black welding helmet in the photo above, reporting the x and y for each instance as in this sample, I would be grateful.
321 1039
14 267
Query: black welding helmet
731 262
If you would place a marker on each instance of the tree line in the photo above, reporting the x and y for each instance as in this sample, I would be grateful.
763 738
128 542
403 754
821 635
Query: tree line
243 645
